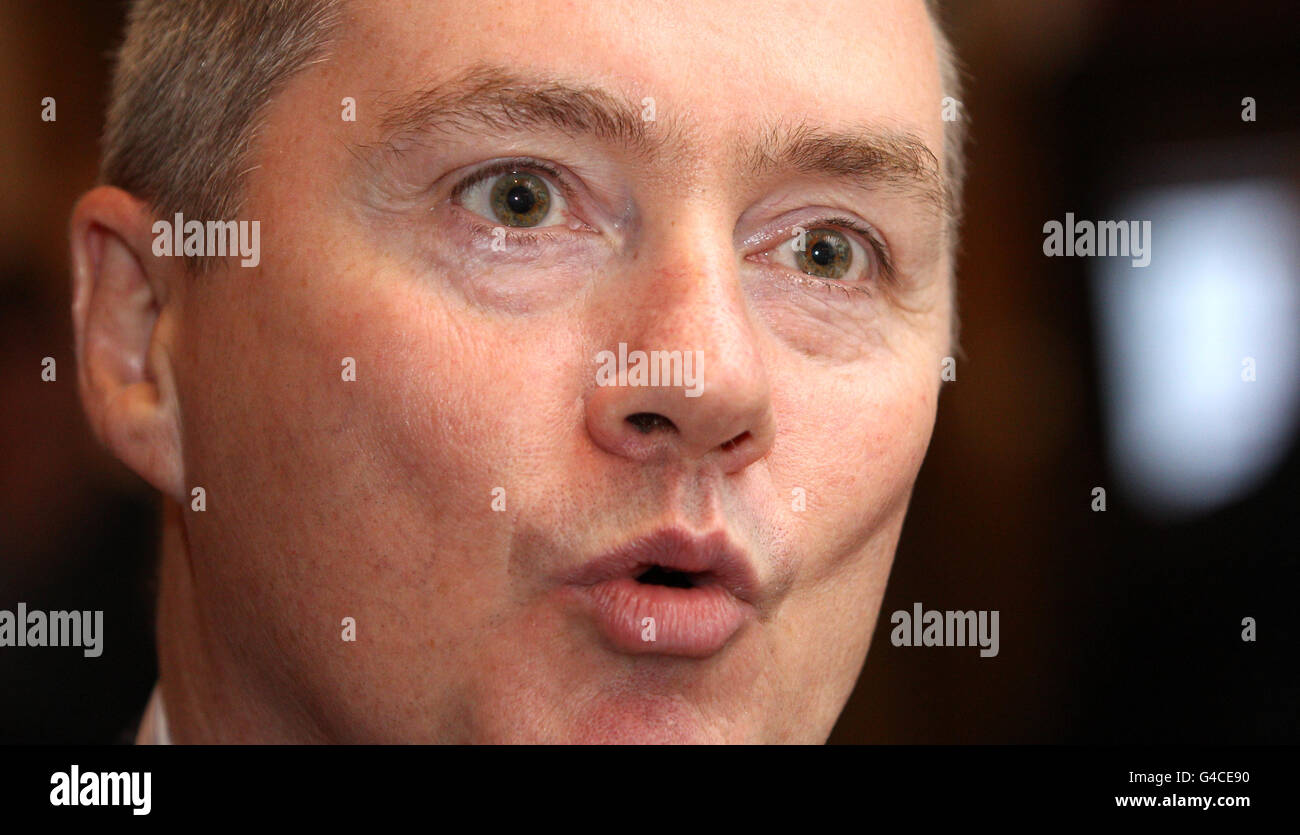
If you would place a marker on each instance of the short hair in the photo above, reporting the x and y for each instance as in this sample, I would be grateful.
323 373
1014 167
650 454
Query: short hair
193 78
954 130
190 86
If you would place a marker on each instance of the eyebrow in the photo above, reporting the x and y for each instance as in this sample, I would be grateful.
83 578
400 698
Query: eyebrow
492 98
495 99
869 157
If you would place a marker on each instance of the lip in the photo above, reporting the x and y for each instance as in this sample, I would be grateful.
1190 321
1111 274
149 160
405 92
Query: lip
696 622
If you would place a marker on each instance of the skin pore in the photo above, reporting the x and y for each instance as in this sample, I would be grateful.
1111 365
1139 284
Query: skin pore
373 499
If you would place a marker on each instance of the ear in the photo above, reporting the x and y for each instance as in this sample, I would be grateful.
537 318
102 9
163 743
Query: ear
124 316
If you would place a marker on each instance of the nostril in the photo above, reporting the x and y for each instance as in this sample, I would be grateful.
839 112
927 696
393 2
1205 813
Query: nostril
735 442
647 422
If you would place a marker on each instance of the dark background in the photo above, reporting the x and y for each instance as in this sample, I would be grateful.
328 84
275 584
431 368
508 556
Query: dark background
1116 626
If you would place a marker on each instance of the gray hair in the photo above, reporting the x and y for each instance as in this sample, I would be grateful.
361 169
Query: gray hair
191 82
954 132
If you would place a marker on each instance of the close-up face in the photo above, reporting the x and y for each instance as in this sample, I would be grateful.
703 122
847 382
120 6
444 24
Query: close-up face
391 373
404 414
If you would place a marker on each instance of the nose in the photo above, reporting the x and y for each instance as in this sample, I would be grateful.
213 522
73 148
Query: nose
718 412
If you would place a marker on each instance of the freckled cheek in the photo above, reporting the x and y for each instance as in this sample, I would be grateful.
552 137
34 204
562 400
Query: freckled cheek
859 439
463 421
432 408
421 440
899 424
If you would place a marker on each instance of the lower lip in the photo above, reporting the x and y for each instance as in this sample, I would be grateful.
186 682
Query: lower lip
695 623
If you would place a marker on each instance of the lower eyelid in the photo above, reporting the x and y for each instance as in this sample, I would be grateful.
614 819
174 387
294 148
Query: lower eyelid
833 286
827 285
478 228
847 288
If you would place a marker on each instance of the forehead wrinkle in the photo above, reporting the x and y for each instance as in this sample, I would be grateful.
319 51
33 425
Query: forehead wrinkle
868 157
487 97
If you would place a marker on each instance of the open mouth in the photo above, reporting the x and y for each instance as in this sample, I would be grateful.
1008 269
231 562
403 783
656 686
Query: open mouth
667 593
657 575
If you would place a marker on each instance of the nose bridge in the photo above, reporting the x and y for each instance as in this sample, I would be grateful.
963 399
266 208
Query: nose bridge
695 305
690 275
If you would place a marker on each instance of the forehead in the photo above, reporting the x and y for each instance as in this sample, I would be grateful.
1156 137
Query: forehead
715 68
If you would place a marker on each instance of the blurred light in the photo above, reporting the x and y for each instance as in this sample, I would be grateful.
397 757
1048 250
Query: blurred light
1186 432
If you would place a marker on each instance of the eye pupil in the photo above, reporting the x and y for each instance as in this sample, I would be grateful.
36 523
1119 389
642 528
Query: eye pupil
520 199
822 253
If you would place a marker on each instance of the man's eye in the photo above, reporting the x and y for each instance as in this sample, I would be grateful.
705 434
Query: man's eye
516 199
826 252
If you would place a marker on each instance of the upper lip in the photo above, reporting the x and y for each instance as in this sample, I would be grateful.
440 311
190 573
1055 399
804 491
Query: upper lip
709 558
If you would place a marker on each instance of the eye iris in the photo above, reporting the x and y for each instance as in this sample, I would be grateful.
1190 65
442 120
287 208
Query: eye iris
520 199
827 254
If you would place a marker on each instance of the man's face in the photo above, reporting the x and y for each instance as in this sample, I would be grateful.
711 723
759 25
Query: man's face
476 500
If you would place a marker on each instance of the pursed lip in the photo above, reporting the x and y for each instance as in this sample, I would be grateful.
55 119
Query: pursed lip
643 618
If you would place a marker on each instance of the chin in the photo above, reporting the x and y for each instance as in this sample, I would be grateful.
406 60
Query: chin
628 719
647 722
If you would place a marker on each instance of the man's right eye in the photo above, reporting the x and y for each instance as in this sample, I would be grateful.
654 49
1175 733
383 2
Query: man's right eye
514 198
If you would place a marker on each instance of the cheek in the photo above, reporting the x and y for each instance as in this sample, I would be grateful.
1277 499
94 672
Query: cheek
360 426
364 488
855 443
854 439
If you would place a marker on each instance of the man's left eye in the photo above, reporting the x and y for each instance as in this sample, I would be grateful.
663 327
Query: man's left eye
517 199
823 252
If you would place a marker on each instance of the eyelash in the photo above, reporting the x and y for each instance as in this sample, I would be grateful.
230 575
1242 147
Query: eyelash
877 247
504 166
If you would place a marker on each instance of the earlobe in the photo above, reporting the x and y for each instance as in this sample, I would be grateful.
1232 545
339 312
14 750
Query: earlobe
123 320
